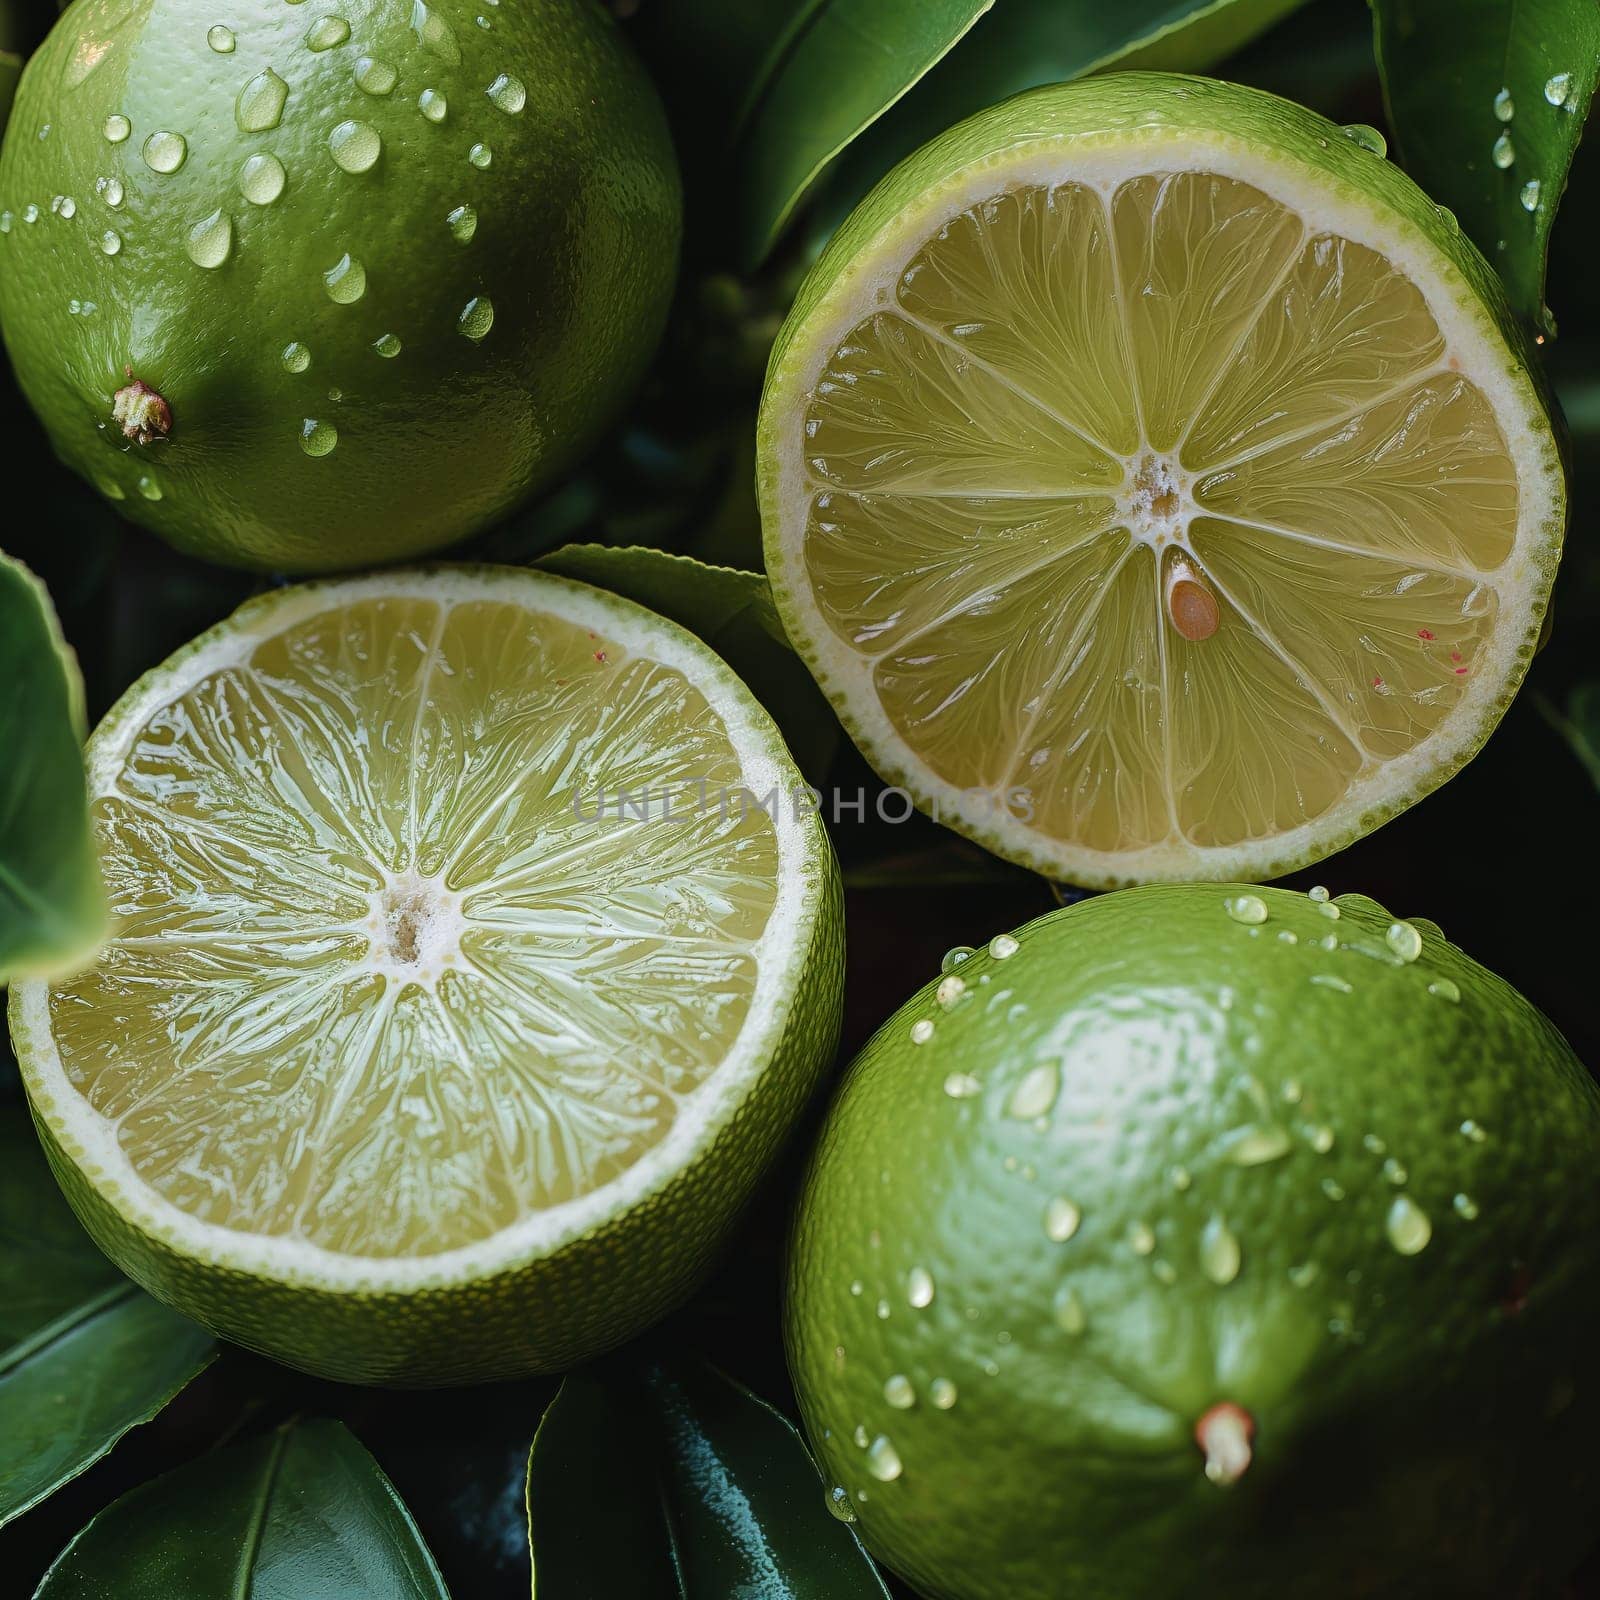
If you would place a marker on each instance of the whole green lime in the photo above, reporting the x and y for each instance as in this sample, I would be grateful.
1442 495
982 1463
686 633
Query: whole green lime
305 286
1200 1241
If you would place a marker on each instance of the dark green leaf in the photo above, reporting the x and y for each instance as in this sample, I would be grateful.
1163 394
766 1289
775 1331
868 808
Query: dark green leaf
10 72
1487 100
52 910
749 1513
302 1513
84 1354
682 1486
832 72
731 611
1023 43
1579 724
596 1522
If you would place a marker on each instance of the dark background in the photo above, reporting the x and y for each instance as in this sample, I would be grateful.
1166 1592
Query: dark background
1503 857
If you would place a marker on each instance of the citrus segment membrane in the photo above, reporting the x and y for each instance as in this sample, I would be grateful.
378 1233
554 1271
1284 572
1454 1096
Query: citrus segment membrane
1152 510
370 905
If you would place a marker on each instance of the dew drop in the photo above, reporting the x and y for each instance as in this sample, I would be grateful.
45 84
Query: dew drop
149 488
346 281
1503 152
110 190
260 103
261 179
355 146
1473 1132
1180 1178
950 990
317 438
1002 947
375 77
1035 1095
1320 1139
387 346
1408 1227
962 1086
953 957
1368 138
861 1437
1505 108
210 240
295 358
1332 1189
1219 1252
111 241
919 1288
1069 1312
1061 1219
1465 1207
433 105
435 35
1529 195
838 1502
883 1460
1141 1238
474 323
220 39
1444 989
64 207
110 488
1329 909
1303 1275
507 92
921 1029
116 128
1404 940
5 222
1317 894
1558 88
1395 1172
484 23
942 1392
327 33
1256 1145
1249 909
883 1310
30 213
480 155
898 1392
165 152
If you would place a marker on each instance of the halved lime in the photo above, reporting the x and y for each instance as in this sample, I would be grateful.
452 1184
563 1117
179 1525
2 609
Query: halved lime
1157 483
418 1052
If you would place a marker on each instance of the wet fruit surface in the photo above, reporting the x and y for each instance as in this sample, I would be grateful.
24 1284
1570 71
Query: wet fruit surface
1172 1213
386 266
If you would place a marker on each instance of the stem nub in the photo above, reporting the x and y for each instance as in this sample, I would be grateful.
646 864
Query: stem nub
141 413
1225 1434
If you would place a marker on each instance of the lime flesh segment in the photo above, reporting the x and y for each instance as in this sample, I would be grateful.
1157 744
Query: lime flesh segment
437 987
1021 422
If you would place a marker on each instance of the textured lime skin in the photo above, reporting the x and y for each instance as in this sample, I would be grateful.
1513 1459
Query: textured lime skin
575 246
550 1310
1141 111
1423 1421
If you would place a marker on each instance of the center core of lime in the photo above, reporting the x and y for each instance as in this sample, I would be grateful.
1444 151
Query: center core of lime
415 927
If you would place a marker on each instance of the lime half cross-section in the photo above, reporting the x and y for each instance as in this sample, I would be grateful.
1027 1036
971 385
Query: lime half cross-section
1157 484
417 1054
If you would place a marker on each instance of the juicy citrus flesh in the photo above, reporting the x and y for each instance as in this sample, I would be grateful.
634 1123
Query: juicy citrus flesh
1074 410
387 976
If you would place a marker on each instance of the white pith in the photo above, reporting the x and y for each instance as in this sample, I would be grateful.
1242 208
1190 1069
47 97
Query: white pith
1473 347
413 928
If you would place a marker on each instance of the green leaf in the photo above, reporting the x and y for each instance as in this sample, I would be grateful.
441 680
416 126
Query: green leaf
84 1354
682 1485
749 1512
1472 84
596 1520
731 611
52 910
832 72
1579 724
301 1512
1015 46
